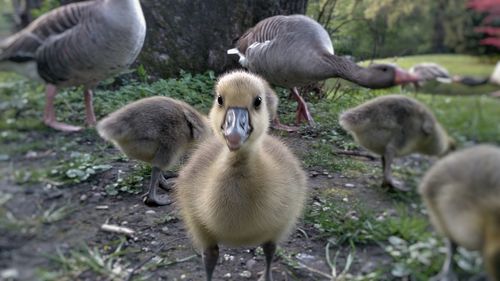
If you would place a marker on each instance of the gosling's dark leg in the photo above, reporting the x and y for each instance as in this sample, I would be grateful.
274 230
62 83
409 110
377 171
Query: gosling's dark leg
152 197
269 250
210 257
447 273
164 183
387 159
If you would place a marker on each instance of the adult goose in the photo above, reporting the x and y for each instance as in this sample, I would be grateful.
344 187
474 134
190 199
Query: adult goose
428 71
241 187
292 51
77 44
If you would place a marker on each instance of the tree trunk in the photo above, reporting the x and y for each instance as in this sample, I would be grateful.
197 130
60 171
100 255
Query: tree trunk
22 11
438 34
195 35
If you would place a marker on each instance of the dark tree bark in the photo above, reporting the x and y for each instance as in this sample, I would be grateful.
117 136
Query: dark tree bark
195 35
438 34
22 11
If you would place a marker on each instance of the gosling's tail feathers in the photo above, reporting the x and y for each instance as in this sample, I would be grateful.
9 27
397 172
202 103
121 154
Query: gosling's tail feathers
351 121
109 130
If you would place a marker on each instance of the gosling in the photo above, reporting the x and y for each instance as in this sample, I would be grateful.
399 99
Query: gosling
241 187
156 130
462 194
393 126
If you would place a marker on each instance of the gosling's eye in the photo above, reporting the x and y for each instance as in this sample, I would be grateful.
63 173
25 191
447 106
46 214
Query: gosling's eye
257 102
220 100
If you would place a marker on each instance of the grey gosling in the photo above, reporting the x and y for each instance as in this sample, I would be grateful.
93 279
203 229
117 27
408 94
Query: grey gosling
295 50
241 187
76 44
156 130
462 194
393 126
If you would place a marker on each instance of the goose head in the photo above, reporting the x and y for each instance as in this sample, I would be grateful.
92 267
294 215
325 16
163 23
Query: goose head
386 75
239 115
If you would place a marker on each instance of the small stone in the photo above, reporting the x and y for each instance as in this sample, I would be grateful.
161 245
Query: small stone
313 174
250 263
31 154
150 212
350 185
102 207
246 274
164 230
83 197
124 222
345 199
330 176
228 257
183 276
227 275
325 173
9 273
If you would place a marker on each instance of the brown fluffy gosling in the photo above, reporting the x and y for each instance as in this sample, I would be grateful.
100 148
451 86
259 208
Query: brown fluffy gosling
241 187
156 130
462 194
393 126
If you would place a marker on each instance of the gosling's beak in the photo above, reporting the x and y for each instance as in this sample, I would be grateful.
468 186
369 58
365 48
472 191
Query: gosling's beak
236 127
404 77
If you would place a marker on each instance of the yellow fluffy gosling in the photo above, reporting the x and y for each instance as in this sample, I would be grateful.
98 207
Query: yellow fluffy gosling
241 187
462 194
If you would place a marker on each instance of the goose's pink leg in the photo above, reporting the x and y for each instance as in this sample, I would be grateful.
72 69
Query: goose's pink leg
49 115
302 110
276 124
89 108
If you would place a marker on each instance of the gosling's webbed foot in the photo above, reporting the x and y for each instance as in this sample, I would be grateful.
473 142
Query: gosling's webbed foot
157 200
395 185
152 198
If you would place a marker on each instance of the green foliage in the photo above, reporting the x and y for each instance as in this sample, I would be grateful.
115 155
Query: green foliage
367 29
195 89
46 6
130 182
78 168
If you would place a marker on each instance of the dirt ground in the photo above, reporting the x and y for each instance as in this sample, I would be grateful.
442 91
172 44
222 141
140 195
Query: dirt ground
159 249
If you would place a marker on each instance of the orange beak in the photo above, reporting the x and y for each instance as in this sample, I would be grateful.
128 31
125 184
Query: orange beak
404 77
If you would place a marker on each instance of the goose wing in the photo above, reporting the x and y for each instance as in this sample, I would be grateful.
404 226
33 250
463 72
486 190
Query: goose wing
23 46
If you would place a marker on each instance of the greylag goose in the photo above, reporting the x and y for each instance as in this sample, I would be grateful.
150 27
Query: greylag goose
428 71
393 126
77 44
241 187
462 194
158 131
295 50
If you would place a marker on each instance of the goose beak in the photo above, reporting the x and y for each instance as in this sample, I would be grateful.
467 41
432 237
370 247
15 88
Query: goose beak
404 77
236 127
